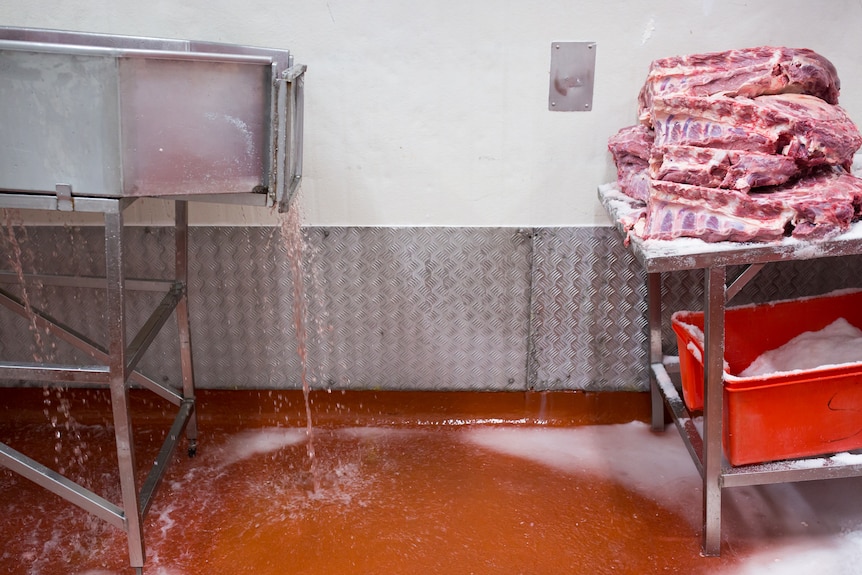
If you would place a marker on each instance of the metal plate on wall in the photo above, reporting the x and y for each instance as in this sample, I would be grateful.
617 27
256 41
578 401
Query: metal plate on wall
573 70
588 324
393 308
388 308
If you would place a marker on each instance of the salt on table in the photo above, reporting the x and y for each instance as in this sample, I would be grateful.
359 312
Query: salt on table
838 343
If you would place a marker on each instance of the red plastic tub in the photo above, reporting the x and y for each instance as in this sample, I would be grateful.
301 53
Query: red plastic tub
781 415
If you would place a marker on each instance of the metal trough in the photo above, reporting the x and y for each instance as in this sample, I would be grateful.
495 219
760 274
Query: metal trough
95 115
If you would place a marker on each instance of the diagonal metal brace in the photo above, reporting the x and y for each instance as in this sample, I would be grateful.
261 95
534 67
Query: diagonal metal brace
81 342
742 280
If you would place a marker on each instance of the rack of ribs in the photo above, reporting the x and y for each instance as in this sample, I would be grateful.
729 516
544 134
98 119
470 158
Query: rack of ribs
742 145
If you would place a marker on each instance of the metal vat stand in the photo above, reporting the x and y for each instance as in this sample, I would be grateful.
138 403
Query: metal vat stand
137 117
116 368
706 449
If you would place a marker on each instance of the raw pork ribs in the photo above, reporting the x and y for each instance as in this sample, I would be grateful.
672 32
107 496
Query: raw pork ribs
743 145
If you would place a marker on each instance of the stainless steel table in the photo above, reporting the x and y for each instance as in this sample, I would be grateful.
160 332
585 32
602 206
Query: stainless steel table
706 447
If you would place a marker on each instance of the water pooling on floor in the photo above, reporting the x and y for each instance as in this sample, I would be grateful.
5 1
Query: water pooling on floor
396 497
389 500
423 494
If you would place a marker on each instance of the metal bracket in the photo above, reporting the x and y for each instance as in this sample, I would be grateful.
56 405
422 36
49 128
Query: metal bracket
573 66
290 97
294 72
65 203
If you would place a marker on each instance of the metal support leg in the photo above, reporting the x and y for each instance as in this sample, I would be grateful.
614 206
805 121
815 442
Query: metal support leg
182 311
714 304
115 370
655 350
118 384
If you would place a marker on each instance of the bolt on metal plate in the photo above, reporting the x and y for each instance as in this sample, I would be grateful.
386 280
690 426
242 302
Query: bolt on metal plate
573 67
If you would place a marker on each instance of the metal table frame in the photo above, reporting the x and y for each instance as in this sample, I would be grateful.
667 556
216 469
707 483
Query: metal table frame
706 449
116 367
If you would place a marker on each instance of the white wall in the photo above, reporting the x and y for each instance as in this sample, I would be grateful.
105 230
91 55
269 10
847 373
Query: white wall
435 112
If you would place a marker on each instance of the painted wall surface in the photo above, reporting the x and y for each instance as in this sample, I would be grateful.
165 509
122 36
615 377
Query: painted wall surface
436 113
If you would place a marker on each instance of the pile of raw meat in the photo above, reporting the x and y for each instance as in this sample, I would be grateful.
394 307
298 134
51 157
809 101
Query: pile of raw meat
743 145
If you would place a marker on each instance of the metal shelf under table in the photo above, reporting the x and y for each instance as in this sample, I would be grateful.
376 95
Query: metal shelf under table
706 447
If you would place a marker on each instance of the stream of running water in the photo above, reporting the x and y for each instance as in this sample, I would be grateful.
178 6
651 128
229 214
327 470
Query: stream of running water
56 406
291 230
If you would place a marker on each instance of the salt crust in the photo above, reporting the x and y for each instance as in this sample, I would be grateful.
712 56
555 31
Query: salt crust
839 343
821 355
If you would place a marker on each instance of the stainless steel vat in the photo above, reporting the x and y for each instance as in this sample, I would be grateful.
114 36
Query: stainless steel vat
92 115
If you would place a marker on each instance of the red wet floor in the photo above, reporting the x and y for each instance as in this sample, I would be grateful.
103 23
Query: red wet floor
455 483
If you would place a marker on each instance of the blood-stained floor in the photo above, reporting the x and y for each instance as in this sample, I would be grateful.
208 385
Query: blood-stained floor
403 483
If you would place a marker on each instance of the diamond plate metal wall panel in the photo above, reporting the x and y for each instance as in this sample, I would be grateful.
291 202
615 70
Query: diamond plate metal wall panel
52 250
80 251
589 312
241 309
393 308
589 327
421 308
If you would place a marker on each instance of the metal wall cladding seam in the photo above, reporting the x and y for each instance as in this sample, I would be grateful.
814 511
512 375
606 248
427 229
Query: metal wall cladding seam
392 308
589 312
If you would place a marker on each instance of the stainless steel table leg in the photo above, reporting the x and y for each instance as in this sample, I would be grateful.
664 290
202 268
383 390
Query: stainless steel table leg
714 304
182 312
118 383
655 350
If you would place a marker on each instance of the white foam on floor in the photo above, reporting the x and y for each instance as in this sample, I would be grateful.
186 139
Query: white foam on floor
836 555
802 528
259 441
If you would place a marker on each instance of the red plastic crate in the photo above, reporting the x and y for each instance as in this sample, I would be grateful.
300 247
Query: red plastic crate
781 415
